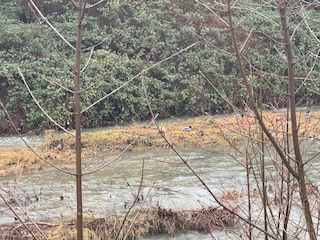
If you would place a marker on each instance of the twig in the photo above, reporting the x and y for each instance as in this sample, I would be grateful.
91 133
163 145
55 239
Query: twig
57 124
52 26
246 40
30 219
17 216
311 70
55 82
210 9
119 155
298 26
123 85
134 202
95 4
74 4
88 60
281 55
17 131
15 190
103 76
50 39
200 179
210 43
145 199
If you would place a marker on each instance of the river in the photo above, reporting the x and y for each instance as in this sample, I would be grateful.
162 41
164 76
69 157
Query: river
50 195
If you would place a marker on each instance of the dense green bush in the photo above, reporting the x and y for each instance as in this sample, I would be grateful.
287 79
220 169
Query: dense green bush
142 32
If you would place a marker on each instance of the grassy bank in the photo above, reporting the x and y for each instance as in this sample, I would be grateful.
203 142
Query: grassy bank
206 132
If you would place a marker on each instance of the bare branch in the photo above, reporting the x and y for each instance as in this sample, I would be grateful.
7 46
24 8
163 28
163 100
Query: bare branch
75 4
57 124
211 43
134 202
251 97
17 216
103 76
246 40
200 179
94 46
281 55
52 26
95 4
145 199
88 60
30 219
50 39
17 131
55 82
295 29
210 9
123 85
254 11
311 70
119 155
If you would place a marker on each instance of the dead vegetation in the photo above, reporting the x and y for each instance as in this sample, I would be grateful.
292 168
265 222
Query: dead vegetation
149 222
116 139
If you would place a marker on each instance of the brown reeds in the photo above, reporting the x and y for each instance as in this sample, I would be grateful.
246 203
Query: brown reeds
149 222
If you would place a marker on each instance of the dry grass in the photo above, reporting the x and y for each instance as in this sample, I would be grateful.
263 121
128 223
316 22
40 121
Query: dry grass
216 131
149 222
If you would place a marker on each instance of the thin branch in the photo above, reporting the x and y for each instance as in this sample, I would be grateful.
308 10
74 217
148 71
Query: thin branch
123 85
88 60
255 11
281 55
57 124
200 179
103 76
210 9
313 91
75 4
311 70
55 82
210 43
17 216
17 131
272 38
94 46
295 29
30 219
245 42
314 156
65 60
52 26
251 96
310 52
119 155
145 199
311 31
134 202
93 5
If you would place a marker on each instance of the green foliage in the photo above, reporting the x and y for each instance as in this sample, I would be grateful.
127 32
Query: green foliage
143 33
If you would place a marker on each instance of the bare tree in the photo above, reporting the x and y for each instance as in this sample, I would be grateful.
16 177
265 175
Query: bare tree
295 166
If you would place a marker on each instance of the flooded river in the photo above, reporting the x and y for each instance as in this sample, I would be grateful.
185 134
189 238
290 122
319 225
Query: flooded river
50 195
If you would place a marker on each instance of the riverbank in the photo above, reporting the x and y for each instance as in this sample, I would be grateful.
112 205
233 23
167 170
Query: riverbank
149 222
205 132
